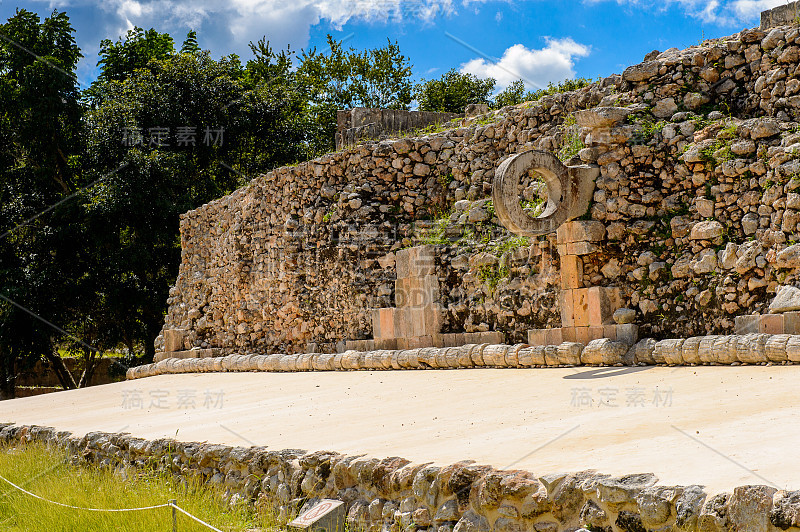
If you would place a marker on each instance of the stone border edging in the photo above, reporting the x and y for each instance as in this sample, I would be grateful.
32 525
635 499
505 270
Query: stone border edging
393 494
755 348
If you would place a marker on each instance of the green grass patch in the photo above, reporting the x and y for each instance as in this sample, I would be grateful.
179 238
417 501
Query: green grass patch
46 472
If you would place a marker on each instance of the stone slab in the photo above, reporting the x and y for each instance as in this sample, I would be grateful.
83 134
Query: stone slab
495 417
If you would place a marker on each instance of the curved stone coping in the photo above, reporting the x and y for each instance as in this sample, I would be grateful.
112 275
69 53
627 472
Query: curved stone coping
381 494
730 349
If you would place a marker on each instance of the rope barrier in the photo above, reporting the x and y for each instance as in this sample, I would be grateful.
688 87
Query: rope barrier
193 517
171 504
23 490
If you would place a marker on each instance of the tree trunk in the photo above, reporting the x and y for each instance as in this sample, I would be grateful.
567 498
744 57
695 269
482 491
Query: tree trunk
64 376
91 360
7 374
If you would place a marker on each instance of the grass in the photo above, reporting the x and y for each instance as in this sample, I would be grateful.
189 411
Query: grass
46 472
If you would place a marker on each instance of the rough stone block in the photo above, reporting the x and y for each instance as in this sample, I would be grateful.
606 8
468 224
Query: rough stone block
173 340
791 322
568 334
491 337
580 231
567 303
580 307
746 324
386 343
383 323
601 304
536 336
603 352
610 332
416 291
596 332
569 353
793 348
571 272
402 323
582 335
415 262
771 324
627 333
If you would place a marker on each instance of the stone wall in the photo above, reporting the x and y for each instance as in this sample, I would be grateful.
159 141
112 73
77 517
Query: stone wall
698 195
361 123
780 16
393 494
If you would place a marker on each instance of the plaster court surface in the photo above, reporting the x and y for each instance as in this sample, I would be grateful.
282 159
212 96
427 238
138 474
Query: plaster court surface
718 426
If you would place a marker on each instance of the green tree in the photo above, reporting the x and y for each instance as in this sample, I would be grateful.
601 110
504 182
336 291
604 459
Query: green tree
190 45
40 128
343 79
120 59
453 92
180 133
514 94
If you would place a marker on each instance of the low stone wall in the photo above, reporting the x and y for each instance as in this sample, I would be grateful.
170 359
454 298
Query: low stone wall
710 350
393 494
361 123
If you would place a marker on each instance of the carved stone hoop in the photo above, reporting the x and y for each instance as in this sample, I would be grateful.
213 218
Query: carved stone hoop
505 196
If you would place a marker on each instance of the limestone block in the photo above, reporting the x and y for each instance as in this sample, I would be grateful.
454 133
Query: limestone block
173 339
746 324
603 352
512 356
571 272
751 348
491 337
726 349
569 353
791 322
465 355
793 349
689 350
550 353
416 291
580 307
383 323
787 299
477 355
626 333
669 352
415 262
775 347
642 352
602 303
581 231
495 355
706 349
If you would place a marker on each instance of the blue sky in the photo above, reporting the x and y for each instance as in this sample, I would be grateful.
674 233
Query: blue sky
535 40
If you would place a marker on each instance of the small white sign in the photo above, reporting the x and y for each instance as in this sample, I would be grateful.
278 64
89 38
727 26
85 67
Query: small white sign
316 513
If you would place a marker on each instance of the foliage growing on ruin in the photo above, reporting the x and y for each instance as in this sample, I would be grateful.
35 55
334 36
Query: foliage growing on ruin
453 92
571 143
516 94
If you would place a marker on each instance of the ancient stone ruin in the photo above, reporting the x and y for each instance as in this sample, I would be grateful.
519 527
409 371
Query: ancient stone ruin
652 217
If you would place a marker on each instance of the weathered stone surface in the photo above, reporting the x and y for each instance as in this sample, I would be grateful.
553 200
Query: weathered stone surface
707 230
787 299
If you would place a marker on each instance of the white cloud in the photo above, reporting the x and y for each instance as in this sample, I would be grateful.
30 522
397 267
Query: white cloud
720 12
554 62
